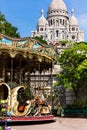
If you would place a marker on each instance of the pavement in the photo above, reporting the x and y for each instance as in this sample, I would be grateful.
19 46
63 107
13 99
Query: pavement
59 124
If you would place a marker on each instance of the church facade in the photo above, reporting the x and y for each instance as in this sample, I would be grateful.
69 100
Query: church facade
58 25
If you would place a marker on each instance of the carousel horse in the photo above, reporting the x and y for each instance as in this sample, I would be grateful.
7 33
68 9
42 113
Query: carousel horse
41 107
17 108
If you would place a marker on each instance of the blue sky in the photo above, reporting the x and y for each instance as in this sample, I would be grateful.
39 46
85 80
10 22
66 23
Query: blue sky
24 14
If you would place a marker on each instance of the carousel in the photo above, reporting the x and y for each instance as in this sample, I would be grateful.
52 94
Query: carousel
25 88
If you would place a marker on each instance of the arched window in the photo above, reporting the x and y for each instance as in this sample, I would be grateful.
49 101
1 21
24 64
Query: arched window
41 29
73 37
51 36
57 33
63 22
60 21
76 29
57 23
51 21
73 29
38 30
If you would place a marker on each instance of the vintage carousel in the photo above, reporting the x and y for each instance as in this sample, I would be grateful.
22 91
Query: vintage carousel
24 91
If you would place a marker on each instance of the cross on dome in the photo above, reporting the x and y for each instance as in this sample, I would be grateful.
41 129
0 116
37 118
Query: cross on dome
72 11
42 12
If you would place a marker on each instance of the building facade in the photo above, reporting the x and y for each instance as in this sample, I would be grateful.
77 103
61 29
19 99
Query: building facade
58 26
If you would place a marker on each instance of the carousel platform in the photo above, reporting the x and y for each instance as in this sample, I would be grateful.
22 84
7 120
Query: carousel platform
28 119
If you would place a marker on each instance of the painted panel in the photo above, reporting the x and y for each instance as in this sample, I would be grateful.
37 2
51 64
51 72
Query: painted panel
6 40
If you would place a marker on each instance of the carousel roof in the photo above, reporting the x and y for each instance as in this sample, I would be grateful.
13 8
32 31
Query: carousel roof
26 49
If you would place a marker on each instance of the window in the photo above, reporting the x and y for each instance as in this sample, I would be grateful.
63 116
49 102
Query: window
63 21
57 23
51 21
57 33
38 30
51 36
73 29
76 29
41 29
73 37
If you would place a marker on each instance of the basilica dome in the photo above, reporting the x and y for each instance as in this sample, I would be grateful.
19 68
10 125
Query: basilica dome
57 5
73 20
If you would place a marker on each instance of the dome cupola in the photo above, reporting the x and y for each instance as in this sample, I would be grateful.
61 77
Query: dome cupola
73 20
57 5
42 20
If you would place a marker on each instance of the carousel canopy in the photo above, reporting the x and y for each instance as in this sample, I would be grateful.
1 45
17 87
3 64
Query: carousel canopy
27 52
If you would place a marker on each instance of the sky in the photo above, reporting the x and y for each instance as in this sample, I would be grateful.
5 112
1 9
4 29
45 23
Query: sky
24 14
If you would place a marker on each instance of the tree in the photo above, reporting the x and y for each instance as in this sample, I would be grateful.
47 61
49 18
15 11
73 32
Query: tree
73 62
2 21
11 30
7 28
40 39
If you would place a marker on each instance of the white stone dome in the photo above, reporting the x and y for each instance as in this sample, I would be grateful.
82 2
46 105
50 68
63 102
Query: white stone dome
57 5
73 20
42 20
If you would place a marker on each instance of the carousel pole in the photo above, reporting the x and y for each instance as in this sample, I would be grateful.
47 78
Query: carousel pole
11 76
43 81
39 79
11 72
35 80
3 71
29 79
51 93
20 72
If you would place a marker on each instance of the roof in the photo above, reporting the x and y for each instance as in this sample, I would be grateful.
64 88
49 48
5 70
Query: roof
42 20
73 20
28 49
57 5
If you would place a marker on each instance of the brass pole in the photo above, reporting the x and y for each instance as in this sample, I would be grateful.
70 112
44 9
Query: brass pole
51 80
11 72
29 78
3 71
20 72
35 82
39 78
43 81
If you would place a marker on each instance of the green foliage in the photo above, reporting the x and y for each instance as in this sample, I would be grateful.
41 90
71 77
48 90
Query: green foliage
81 104
63 42
73 62
59 110
11 30
55 84
40 39
24 95
7 28
78 104
28 93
